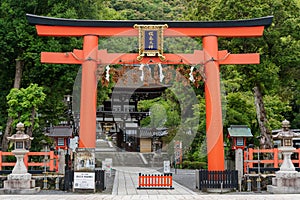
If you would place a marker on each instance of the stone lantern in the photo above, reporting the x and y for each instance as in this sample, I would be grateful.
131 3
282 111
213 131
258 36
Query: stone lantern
19 181
19 139
287 179
286 136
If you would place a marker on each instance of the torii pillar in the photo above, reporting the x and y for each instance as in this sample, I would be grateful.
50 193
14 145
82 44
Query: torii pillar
90 56
88 96
214 125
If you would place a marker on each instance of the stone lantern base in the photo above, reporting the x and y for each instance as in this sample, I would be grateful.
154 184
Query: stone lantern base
287 180
19 184
285 183
19 181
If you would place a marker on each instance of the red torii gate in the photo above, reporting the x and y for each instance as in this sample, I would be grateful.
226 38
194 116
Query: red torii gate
90 57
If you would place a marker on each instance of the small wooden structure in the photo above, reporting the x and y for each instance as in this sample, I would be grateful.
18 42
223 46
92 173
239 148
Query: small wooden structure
239 134
61 136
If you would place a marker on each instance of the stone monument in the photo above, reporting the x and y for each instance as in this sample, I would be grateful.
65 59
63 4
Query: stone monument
19 181
287 179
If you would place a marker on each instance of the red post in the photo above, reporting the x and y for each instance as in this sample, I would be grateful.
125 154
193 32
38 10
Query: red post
56 158
275 155
251 157
26 160
147 177
298 151
170 175
159 180
51 161
0 160
143 180
87 132
214 126
246 159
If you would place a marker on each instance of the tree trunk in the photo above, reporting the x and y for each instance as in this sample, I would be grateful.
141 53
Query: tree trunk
265 139
17 84
30 128
18 74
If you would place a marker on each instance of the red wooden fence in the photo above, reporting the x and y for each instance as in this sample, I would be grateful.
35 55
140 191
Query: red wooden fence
51 162
249 160
155 181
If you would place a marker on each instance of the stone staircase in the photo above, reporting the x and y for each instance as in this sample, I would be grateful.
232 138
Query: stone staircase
105 149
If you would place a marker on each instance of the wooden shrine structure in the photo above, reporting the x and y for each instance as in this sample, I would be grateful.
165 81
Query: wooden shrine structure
91 56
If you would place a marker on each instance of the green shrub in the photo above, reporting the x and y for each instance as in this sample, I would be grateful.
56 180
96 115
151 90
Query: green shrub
186 164
194 165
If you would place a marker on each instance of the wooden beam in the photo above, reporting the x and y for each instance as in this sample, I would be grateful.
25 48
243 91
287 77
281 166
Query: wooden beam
73 31
76 57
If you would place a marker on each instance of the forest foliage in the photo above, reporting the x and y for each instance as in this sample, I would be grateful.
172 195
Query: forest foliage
277 75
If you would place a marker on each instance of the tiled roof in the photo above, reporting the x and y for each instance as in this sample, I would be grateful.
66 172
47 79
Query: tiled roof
239 131
60 131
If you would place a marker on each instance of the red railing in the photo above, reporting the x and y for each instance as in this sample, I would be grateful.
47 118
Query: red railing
51 162
155 181
249 160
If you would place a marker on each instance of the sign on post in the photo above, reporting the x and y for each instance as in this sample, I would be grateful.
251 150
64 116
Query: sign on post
178 152
166 166
85 159
107 165
84 180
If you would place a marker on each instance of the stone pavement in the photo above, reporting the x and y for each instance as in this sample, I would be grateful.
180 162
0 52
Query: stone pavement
153 197
126 183
125 187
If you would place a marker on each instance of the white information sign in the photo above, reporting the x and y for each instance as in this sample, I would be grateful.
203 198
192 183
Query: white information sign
166 166
73 143
84 180
107 164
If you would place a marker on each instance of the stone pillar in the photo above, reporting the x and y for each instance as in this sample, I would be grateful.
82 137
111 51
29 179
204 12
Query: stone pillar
239 165
61 162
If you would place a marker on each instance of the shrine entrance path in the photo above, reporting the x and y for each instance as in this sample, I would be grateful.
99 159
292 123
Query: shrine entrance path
126 183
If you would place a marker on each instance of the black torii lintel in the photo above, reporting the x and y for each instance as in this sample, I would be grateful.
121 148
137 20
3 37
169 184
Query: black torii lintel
51 21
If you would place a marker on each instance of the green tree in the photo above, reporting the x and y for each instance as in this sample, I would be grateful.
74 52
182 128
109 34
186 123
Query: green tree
149 10
274 79
21 49
23 106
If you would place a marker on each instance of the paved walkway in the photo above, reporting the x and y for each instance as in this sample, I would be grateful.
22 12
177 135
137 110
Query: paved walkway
126 183
151 197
